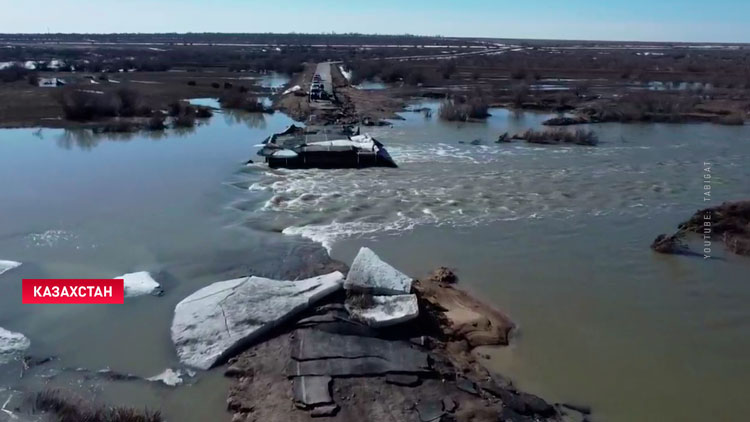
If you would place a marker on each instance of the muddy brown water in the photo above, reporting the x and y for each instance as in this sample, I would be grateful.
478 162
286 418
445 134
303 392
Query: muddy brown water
555 236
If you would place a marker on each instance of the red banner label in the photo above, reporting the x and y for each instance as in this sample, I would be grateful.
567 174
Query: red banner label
73 291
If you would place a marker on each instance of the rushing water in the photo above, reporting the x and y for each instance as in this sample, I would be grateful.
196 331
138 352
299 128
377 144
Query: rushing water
556 236
559 238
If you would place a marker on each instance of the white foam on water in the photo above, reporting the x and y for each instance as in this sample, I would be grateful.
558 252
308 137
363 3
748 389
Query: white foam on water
169 377
327 234
11 345
50 238
450 184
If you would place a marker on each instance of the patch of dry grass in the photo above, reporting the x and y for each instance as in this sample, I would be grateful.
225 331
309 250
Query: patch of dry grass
69 410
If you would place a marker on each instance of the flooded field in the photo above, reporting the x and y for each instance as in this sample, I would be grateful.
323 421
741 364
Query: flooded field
555 236
558 237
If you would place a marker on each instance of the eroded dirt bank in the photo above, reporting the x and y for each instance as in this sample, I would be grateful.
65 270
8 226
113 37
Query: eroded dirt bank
729 222
329 365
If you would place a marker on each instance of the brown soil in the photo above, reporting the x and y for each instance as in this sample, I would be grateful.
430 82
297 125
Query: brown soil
366 106
591 79
730 220
24 105
450 324
461 316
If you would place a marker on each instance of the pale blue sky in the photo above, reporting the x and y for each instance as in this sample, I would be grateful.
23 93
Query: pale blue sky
657 20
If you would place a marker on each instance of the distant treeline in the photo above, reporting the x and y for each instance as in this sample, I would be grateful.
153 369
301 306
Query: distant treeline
395 71
726 68
152 59
238 38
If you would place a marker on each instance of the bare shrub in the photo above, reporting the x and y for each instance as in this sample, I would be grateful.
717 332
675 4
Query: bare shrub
184 121
82 105
557 136
156 123
177 108
463 108
204 113
13 73
130 102
519 94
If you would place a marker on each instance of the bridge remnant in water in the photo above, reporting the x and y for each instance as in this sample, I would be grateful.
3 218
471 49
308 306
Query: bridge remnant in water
324 147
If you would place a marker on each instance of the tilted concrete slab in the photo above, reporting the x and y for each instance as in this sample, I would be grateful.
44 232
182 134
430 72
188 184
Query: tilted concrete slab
219 320
369 273
316 352
312 391
386 310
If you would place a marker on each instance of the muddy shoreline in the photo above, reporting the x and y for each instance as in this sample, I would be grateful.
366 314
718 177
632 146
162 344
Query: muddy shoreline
453 385
456 387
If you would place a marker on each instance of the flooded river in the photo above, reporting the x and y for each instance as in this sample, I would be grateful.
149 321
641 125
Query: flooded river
555 236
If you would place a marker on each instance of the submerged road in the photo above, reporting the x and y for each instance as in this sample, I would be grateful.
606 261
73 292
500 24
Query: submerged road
324 71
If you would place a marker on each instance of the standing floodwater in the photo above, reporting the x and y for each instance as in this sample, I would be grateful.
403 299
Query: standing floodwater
556 236
559 238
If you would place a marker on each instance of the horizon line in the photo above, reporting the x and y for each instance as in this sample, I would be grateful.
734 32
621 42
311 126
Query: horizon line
342 34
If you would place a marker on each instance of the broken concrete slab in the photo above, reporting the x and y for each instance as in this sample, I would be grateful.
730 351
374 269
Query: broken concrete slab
449 405
431 410
8 265
347 328
325 411
403 380
370 274
466 385
385 311
353 367
317 319
311 391
139 284
217 321
313 345
12 345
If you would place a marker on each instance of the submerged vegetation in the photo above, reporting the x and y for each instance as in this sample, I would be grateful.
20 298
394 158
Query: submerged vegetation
69 410
559 136
156 122
644 106
83 105
463 108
